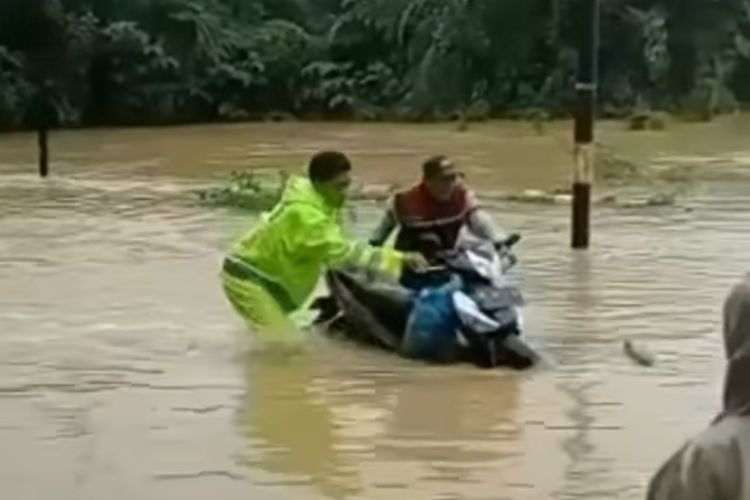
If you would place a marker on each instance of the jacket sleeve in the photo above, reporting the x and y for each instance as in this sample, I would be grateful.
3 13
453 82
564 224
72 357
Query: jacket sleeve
699 472
322 239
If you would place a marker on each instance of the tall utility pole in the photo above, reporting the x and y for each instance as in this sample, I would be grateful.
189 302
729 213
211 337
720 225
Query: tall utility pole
586 90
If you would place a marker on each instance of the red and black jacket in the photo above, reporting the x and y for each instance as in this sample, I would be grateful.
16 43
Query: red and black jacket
425 220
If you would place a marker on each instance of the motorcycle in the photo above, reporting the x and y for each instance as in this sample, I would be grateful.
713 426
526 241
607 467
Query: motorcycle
488 309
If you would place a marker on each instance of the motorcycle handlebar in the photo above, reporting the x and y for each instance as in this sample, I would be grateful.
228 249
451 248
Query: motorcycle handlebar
509 242
503 247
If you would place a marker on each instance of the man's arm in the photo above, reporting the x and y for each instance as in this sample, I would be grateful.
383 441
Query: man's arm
480 223
387 224
318 238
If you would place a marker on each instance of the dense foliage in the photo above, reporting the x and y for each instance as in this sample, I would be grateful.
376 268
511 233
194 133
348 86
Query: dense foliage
162 61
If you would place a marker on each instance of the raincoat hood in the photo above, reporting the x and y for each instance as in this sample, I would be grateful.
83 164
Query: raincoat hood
737 345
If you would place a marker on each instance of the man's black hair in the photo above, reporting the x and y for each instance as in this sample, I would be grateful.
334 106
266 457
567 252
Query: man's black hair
327 165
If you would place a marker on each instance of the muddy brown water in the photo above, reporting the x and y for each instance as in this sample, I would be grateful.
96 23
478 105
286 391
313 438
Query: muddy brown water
124 374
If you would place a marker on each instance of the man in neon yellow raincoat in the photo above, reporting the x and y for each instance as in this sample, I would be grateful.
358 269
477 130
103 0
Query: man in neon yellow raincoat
272 271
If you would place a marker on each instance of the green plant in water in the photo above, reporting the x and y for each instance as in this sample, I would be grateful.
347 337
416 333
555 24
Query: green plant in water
247 190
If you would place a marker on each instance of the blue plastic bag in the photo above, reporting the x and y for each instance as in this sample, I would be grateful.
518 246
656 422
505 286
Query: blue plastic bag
432 325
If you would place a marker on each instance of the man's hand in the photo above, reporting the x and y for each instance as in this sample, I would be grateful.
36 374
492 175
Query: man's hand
416 262
500 247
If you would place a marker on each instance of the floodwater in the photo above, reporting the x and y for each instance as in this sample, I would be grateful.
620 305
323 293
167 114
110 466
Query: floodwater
124 374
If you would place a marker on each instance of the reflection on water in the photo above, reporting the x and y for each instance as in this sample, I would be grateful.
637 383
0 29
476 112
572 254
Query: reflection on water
290 427
124 374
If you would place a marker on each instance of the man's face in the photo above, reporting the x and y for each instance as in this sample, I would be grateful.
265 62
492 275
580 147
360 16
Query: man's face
335 190
442 186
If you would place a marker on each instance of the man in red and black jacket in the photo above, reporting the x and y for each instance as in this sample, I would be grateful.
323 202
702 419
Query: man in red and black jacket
431 214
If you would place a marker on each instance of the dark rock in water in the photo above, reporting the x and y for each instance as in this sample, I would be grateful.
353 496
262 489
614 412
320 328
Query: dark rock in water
639 354
608 199
647 120
231 113
279 116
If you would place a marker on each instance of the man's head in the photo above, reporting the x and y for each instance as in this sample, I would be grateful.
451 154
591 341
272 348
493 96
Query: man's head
440 176
330 173
737 346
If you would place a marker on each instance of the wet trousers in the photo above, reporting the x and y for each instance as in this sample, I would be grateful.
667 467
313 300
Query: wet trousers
260 310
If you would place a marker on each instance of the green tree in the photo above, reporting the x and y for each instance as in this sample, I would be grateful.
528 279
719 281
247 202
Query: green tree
160 61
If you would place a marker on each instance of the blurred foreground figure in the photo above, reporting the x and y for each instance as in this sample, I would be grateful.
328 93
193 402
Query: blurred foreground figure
716 464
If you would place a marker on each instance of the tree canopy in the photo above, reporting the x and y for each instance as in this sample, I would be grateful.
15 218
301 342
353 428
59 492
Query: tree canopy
168 61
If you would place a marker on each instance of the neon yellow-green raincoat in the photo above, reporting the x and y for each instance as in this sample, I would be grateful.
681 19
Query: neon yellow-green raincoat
274 268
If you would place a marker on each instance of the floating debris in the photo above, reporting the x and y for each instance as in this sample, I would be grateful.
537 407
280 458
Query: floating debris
638 353
539 196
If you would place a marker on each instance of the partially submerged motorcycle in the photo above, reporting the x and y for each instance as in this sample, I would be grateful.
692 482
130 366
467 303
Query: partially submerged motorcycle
465 312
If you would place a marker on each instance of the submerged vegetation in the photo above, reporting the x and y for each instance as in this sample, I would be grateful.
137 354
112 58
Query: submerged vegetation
246 189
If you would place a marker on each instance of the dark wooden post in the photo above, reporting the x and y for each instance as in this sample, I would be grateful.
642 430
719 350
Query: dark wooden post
586 89
43 115
42 134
